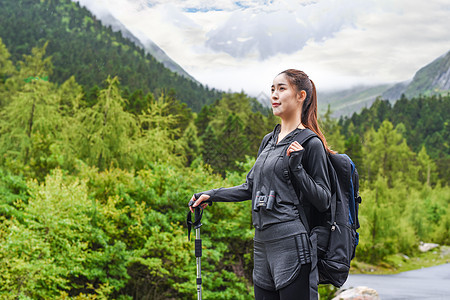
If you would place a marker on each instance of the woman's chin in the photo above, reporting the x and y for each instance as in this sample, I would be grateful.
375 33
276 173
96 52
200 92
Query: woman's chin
276 112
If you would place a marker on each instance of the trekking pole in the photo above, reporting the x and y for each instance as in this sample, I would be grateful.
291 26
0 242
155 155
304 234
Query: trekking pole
198 213
198 257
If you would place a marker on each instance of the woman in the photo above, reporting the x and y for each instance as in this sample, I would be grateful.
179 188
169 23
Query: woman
284 259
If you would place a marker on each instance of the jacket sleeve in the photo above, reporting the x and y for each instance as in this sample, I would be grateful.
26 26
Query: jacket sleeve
240 192
310 169
232 194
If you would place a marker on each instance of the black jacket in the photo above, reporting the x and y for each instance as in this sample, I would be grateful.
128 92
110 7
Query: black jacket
309 167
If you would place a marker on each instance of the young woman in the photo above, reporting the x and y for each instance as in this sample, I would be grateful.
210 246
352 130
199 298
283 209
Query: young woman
284 255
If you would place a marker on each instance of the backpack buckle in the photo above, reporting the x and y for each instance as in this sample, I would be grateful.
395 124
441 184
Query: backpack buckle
358 199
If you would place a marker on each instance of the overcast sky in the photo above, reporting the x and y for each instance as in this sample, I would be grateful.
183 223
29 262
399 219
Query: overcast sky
242 45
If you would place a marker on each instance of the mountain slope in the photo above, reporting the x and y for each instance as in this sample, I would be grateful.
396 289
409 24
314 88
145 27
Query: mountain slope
80 45
434 78
148 45
348 101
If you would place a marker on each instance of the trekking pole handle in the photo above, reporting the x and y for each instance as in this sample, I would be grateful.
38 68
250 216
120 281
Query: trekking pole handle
209 201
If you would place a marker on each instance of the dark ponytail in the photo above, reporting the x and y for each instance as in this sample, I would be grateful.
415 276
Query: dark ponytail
301 81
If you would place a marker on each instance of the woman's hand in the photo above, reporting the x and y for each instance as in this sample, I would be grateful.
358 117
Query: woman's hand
295 146
199 201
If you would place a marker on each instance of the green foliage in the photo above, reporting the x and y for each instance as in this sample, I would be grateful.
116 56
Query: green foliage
332 131
395 219
327 291
30 121
159 136
6 69
106 129
425 123
114 229
395 214
31 260
44 126
386 152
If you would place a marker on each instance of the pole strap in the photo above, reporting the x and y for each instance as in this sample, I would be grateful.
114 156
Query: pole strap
197 217
197 220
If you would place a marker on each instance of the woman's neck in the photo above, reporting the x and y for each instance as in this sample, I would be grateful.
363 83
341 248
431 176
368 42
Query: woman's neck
289 125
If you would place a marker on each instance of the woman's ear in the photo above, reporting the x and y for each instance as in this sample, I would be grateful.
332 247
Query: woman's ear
301 96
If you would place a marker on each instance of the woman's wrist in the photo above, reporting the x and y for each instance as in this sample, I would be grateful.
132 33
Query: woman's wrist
295 159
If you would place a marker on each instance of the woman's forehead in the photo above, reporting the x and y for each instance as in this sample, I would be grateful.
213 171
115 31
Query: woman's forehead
280 79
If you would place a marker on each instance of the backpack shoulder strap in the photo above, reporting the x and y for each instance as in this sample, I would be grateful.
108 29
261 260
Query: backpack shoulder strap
304 135
301 138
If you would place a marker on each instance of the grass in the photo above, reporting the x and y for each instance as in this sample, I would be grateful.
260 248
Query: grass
398 263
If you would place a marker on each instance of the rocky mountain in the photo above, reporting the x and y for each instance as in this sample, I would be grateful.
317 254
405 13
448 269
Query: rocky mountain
264 99
434 78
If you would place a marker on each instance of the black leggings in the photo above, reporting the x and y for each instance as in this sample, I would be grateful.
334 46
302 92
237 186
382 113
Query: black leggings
296 290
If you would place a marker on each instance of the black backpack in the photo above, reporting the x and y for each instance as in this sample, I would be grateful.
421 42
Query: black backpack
335 229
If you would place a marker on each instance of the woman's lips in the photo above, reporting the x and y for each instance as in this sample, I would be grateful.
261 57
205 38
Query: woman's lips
275 104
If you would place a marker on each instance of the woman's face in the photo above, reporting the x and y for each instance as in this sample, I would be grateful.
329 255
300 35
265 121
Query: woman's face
286 101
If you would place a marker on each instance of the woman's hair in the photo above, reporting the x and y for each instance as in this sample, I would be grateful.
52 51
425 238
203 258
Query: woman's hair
301 81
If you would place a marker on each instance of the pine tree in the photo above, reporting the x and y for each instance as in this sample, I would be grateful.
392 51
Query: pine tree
387 154
232 145
30 121
425 167
210 148
332 132
157 139
6 70
106 129
192 142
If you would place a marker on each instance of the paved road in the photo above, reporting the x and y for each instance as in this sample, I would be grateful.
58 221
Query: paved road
427 283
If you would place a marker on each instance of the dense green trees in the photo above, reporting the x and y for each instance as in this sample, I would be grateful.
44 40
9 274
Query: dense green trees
424 121
94 186
94 193
395 183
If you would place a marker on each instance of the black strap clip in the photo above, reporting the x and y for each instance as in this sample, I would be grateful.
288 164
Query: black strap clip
198 213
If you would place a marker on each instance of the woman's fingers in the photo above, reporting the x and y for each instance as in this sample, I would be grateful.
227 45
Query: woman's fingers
295 146
199 201
190 207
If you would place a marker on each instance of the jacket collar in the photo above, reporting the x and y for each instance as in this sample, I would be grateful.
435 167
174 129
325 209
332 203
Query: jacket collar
287 139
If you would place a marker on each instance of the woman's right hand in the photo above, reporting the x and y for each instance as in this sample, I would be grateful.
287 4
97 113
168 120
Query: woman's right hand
199 201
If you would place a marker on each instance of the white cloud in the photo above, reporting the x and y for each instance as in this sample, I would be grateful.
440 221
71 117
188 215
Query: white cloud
339 43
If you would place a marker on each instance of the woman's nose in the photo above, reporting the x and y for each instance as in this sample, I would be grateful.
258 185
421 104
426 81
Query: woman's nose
274 95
